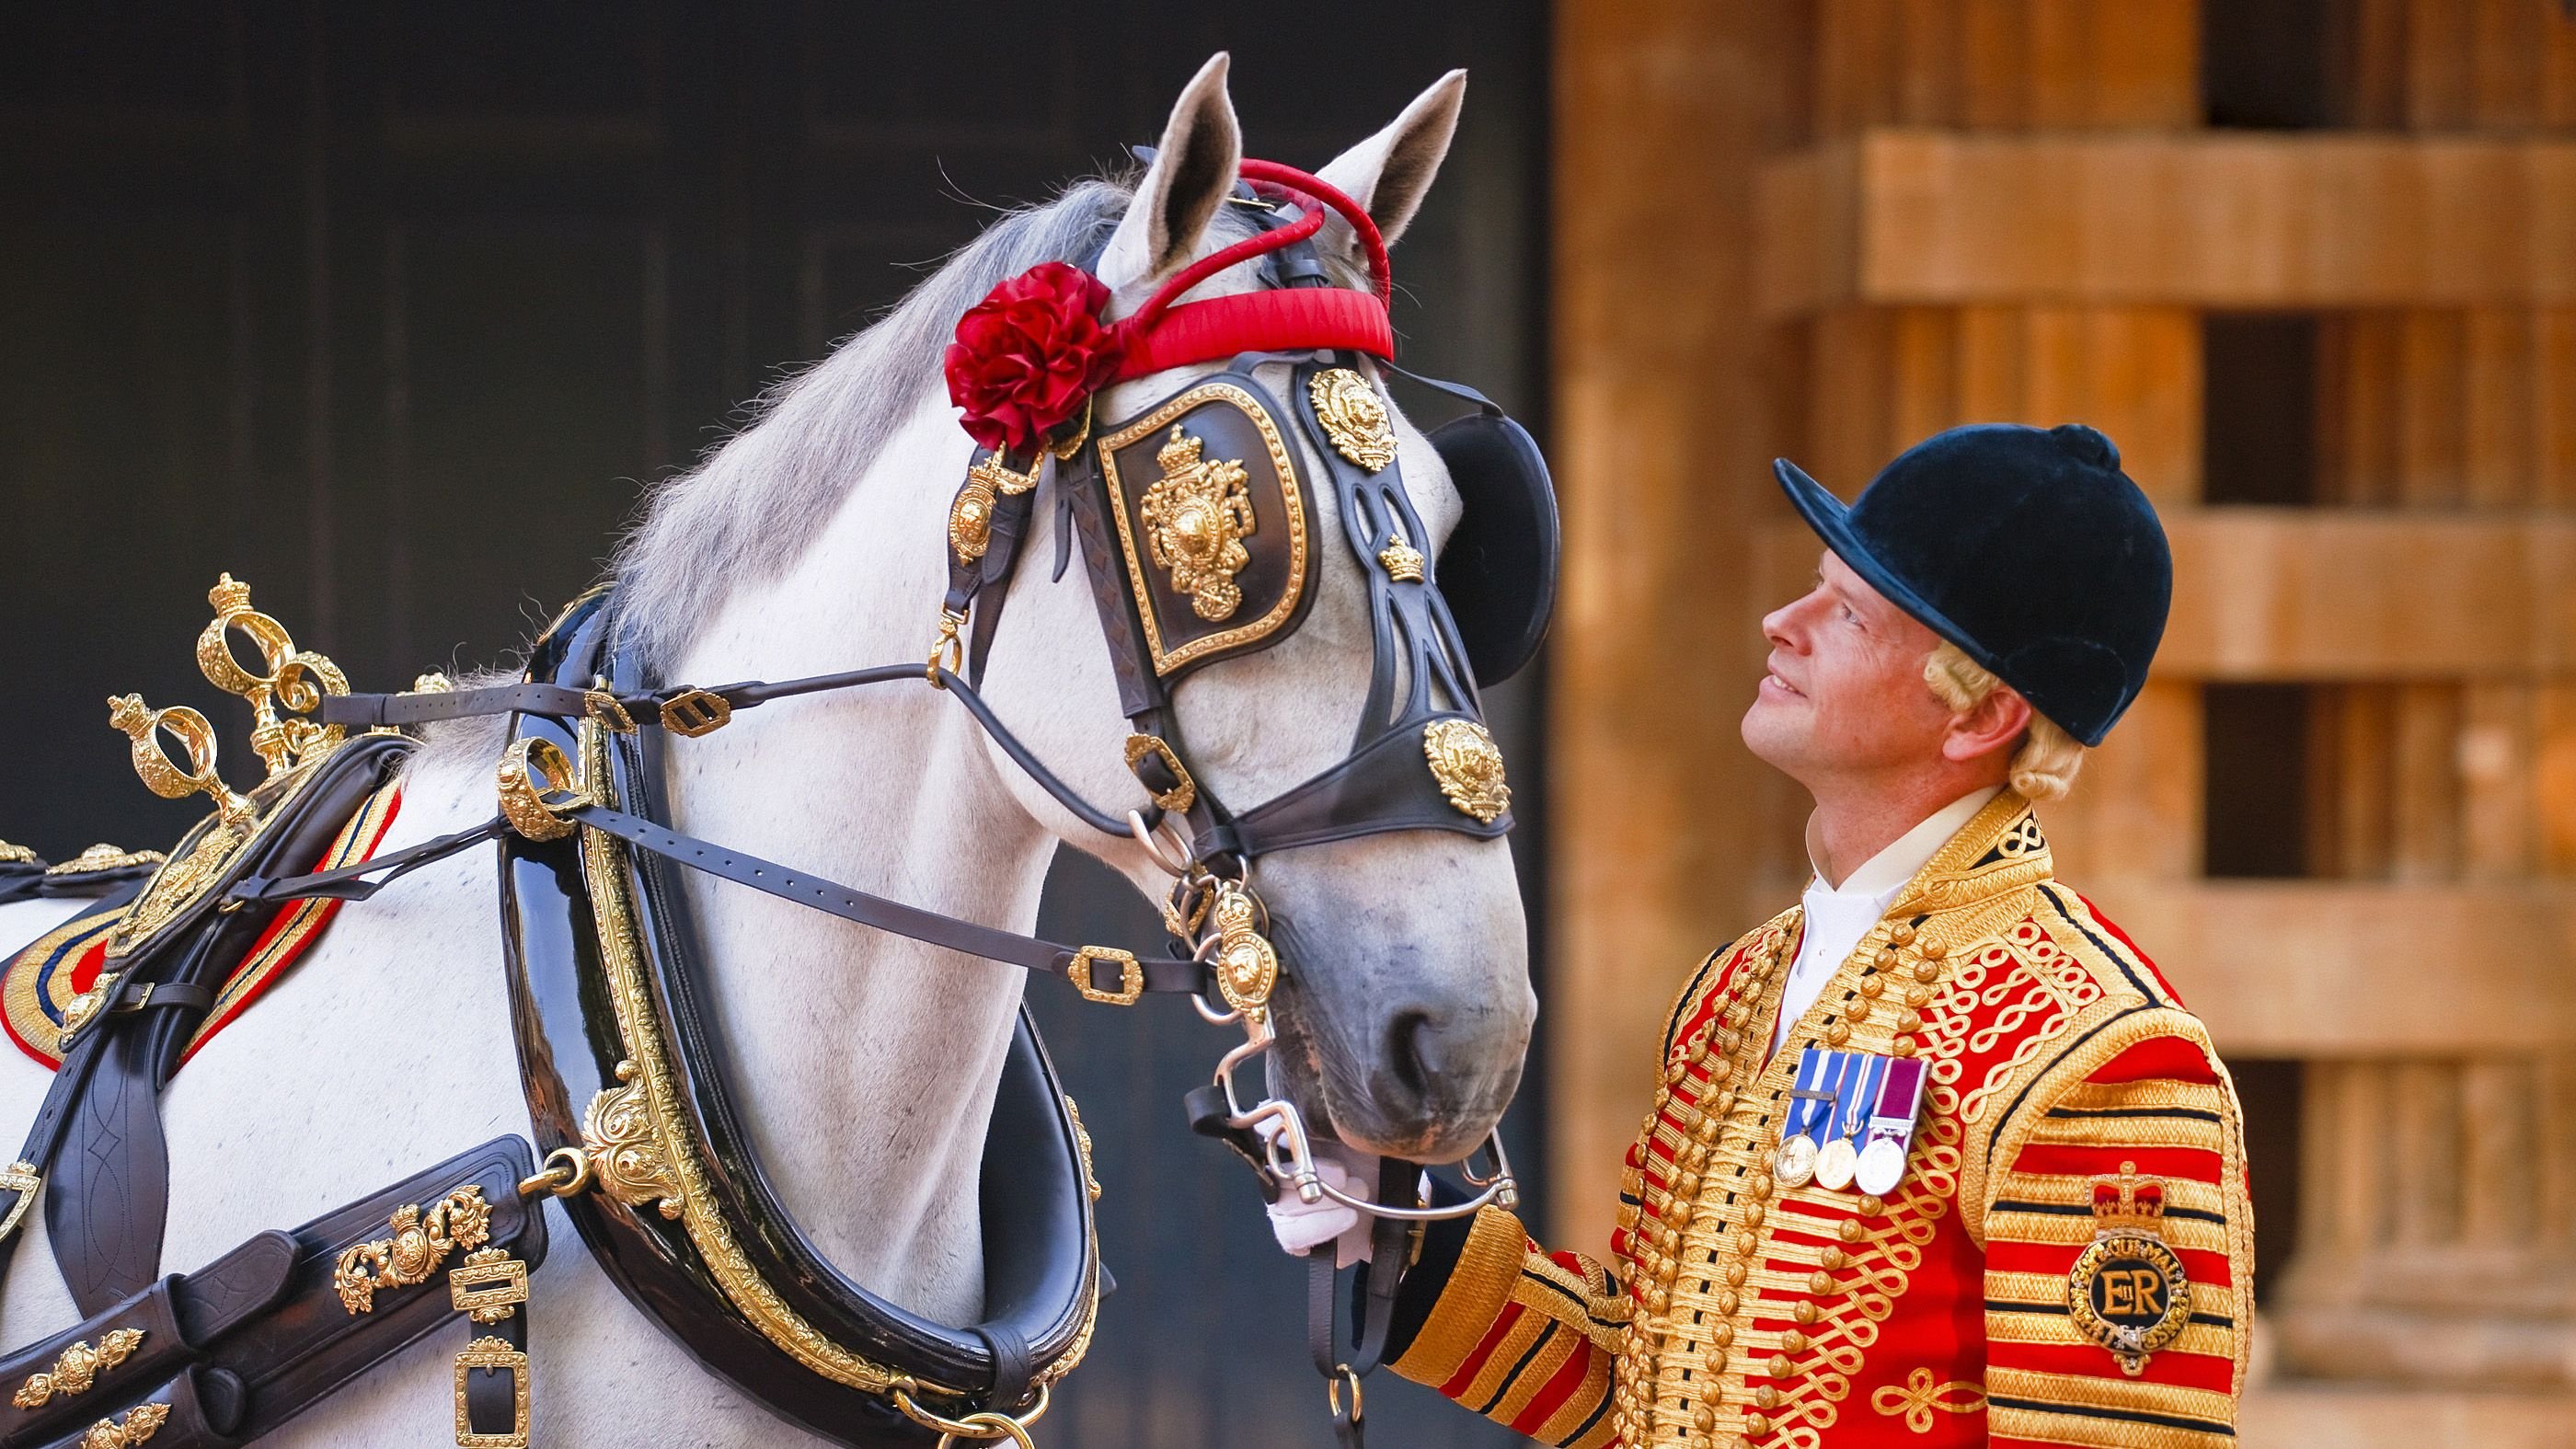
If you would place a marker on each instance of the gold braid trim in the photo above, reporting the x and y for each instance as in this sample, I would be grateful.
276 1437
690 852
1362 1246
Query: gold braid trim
1488 1269
2067 1070
2084 1391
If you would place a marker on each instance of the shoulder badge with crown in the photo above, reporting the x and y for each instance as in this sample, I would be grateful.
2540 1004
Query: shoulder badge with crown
2128 1292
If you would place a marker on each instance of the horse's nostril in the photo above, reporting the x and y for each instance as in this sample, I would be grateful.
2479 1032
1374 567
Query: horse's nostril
1412 1053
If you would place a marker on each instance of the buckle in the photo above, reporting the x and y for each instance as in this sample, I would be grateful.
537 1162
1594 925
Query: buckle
1131 976
695 712
493 1353
523 799
21 1178
602 706
1183 794
487 1285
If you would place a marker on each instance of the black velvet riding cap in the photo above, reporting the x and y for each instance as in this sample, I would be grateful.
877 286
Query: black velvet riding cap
2027 548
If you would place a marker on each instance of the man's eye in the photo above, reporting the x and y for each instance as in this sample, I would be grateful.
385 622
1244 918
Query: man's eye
1848 616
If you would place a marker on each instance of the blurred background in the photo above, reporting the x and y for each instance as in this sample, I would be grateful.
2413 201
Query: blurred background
394 309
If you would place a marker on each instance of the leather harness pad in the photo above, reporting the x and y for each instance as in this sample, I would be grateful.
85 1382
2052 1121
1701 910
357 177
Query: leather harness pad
1214 524
1038 1237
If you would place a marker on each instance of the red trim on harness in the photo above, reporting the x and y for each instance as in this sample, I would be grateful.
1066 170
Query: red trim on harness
1313 317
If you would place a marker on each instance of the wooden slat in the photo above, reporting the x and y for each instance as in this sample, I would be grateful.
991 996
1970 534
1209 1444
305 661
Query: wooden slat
2307 595
1895 217
2316 969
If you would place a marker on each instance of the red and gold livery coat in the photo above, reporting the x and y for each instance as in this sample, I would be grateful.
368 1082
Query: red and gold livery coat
2073 1101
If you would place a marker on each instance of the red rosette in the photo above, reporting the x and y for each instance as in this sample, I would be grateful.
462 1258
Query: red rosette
1029 356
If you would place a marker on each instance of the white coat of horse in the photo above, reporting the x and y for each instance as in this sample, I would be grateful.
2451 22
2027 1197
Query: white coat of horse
814 541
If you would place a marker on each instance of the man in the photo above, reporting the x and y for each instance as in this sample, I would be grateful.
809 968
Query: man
1935 1157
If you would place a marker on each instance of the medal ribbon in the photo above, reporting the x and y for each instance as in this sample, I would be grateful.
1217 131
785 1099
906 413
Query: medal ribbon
1806 1111
1856 1093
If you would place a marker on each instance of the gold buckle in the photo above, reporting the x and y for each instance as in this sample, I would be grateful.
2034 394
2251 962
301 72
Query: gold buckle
1131 976
1180 797
487 1285
523 799
493 1353
696 712
602 706
947 652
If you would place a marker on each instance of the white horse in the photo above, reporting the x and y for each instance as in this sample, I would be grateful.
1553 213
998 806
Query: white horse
812 542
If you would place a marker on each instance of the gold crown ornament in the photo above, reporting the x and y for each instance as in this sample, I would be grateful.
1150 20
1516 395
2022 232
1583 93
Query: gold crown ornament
2128 1292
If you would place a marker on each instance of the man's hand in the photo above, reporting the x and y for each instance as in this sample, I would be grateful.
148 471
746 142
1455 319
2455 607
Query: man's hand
1301 1227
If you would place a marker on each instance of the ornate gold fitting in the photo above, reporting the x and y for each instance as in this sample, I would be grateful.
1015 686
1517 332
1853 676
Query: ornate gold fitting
77 1367
81 1009
16 854
625 1154
1180 797
1401 560
488 1286
947 652
140 1423
566 1173
420 1242
523 798
1247 966
21 1178
602 706
970 518
294 680
1131 976
163 774
104 857
493 1354
695 712
1354 417
1196 517
1469 767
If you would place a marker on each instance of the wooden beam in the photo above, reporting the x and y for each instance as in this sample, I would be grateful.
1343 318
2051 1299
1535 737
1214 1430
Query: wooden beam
1903 217
2304 594
2326 969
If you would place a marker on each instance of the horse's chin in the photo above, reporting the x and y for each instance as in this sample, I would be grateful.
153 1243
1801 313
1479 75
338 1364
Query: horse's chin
1330 1109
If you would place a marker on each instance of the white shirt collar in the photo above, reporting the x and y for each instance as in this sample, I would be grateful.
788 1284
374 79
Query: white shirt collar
1886 873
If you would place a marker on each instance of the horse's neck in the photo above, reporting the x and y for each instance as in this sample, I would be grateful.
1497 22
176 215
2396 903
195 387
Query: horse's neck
868 1062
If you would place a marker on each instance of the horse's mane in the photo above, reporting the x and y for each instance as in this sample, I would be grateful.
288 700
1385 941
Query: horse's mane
742 513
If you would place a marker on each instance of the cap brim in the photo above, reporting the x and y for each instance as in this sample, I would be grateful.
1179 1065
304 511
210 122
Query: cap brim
1830 517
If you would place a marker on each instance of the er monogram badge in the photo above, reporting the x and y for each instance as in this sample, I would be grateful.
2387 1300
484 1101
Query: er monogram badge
2127 1292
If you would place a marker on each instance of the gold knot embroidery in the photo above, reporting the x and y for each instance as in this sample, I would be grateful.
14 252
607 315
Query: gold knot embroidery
1921 1395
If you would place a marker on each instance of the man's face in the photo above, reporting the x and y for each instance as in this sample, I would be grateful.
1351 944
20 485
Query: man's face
1844 698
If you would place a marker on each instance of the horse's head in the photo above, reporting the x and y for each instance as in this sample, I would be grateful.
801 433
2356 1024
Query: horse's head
1404 1008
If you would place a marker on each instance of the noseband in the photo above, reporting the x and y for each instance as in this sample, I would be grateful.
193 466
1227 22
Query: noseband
1198 518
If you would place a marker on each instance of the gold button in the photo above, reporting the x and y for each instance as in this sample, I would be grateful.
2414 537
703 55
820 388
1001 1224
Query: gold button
1754 1424
1696 1156
1687 1185
1766 1397
1735 1275
1932 951
1857 1011
1901 936
1871 1205
1672 1074
1903 1046
1870 986
1885 958
1722 1334
1679 1214
1836 1034
1926 972
1793 1342
1657 1297
1833 1259
1716 1360
1703 1131
1805 1312
1908 1020
1703 1418
1852 1231
1918 996
1760 1186
1727 1300
1782 1366
1753 1214
1670 1240
1722 1100
1820 1283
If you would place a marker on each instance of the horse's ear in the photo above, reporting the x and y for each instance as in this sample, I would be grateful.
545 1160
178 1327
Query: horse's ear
1193 170
1389 173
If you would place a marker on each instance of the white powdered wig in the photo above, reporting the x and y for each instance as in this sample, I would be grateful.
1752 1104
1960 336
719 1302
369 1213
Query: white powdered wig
2045 765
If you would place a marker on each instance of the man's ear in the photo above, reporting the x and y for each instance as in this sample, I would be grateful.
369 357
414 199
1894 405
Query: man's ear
1389 173
1998 722
1193 169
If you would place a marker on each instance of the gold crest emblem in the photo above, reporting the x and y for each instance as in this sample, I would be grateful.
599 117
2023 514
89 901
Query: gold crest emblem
1247 966
1196 518
1354 417
420 1242
2127 1292
970 518
1468 766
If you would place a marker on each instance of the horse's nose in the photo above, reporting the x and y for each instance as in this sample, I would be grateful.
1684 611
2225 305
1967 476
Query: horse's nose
1428 1081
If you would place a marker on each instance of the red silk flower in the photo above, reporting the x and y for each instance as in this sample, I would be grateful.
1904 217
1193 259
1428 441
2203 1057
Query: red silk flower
1030 355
